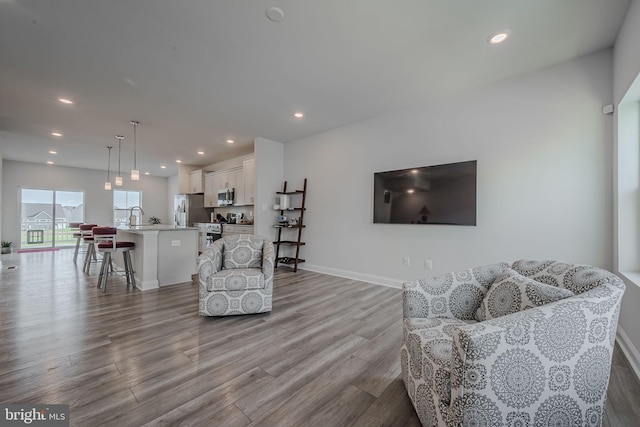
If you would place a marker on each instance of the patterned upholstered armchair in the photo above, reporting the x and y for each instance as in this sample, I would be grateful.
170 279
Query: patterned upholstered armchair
499 345
236 276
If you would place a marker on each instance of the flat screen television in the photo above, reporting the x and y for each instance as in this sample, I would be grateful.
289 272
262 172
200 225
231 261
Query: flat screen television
440 194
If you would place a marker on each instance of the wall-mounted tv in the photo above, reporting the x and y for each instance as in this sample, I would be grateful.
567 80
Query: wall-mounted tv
440 194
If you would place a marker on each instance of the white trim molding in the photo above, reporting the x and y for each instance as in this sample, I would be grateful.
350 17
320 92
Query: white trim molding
630 351
347 274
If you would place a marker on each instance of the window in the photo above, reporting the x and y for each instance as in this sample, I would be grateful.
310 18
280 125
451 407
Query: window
123 201
45 216
628 185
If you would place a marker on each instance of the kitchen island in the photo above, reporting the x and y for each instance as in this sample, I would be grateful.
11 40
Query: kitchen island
164 255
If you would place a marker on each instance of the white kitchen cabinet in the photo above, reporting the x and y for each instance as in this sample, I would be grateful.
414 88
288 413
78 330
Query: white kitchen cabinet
210 191
236 181
241 179
220 181
249 178
196 181
214 182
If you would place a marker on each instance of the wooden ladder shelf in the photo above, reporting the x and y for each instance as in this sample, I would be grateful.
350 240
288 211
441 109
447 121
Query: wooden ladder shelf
288 227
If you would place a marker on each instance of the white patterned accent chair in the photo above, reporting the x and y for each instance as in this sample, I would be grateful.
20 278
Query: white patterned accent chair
236 276
523 345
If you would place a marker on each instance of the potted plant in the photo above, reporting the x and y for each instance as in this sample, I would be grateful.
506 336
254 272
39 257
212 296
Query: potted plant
154 220
6 247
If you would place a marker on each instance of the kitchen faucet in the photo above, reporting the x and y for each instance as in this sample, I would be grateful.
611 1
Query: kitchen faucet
132 219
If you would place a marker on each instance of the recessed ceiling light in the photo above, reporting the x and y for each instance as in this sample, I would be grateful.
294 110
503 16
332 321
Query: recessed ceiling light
201 152
53 152
147 173
49 162
65 101
58 134
178 161
498 37
410 191
163 167
230 141
298 115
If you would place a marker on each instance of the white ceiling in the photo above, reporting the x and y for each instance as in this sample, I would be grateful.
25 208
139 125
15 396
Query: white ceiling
198 72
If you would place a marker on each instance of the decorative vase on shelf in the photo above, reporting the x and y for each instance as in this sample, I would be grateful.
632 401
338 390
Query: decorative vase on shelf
284 202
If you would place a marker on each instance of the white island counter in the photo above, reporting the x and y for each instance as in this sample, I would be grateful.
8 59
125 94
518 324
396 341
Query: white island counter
164 255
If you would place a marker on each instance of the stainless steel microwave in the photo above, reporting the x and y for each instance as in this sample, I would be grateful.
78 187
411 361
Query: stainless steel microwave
225 197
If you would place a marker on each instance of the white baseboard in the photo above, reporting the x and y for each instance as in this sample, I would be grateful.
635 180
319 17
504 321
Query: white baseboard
378 280
630 351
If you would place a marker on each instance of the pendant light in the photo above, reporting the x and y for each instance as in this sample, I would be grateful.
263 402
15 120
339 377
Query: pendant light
119 177
107 183
135 173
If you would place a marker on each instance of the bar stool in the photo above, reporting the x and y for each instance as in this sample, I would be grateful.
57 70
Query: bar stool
77 234
87 237
105 238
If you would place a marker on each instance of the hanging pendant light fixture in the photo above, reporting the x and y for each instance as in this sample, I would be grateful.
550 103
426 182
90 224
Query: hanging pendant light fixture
135 173
119 177
107 183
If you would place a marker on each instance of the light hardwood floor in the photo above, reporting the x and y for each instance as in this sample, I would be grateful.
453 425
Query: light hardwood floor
327 355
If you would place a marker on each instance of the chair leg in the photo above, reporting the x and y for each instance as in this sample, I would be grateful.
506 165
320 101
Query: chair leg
131 280
106 262
87 258
126 266
103 274
75 254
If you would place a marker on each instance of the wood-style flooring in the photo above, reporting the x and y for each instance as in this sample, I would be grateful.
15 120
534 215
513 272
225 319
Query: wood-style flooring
327 355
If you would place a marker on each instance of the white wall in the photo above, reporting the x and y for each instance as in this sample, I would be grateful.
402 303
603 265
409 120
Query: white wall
543 148
98 202
626 82
269 176
626 61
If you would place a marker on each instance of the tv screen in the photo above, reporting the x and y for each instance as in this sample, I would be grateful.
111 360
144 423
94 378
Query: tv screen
440 194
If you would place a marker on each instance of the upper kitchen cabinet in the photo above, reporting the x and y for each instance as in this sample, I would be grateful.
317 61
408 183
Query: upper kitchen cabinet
236 181
221 180
240 178
196 181
210 190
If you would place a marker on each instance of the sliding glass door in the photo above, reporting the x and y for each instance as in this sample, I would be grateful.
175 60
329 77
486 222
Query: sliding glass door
45 216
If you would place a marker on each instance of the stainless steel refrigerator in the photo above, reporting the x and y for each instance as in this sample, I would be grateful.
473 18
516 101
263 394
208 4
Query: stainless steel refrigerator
189 208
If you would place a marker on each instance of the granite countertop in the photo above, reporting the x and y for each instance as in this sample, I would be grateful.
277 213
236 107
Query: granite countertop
153 227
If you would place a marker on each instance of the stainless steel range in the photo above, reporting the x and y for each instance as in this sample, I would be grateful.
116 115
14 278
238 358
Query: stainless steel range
209 232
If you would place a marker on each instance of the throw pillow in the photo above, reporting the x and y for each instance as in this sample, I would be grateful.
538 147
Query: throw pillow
512 292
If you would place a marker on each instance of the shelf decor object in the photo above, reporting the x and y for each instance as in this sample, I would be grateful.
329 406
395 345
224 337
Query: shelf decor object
118 181
286 206
107 183
135 173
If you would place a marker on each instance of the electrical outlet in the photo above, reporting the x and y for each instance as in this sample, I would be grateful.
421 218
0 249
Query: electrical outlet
428 265
405 261
175 243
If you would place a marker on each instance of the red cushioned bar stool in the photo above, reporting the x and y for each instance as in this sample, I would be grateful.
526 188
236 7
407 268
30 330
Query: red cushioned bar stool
87 238
105 238
77 234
